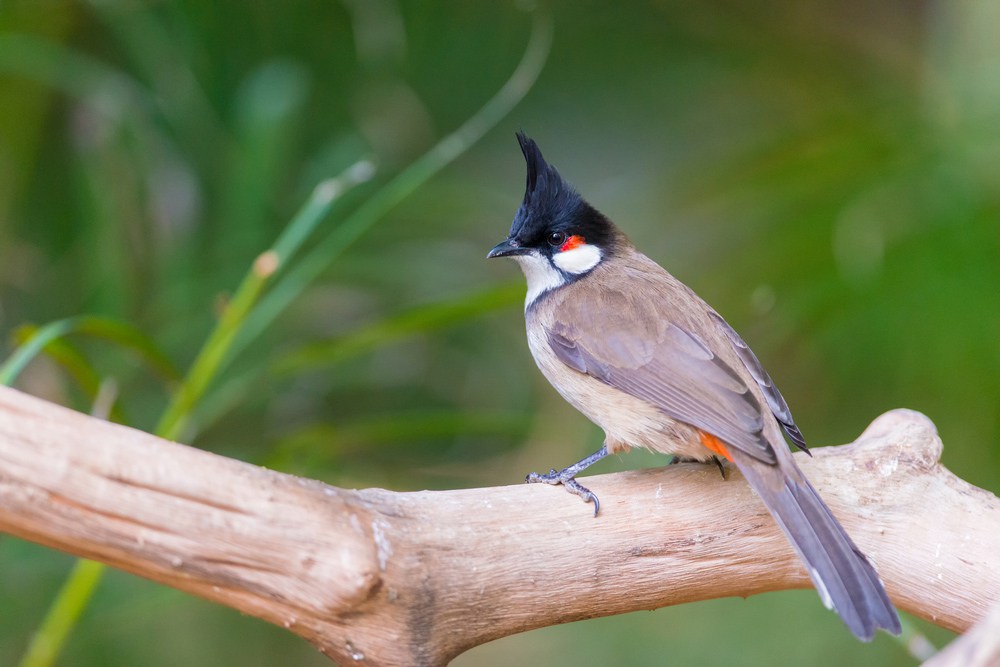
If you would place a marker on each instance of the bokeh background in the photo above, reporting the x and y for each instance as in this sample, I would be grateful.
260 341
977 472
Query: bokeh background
826 174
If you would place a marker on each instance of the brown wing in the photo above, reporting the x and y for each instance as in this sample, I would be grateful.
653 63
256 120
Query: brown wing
636 350
775 401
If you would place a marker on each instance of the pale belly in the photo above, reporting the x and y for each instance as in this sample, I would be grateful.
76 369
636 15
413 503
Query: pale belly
627 421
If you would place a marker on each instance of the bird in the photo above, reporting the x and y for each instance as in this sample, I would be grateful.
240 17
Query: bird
645 358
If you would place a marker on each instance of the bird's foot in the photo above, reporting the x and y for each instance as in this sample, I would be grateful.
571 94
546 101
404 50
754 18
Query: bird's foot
568 481
722 467
690 459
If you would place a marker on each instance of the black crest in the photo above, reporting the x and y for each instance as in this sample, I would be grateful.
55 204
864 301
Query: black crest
551 204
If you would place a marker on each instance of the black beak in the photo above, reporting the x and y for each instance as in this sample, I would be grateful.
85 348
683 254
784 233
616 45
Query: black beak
507 248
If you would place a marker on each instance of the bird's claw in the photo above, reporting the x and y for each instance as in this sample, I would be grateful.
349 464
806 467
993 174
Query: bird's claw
568 482
689 459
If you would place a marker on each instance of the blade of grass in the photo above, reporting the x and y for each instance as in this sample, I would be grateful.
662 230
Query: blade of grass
406 182
72 361
217 348
62 616
414 321
33 341
31 348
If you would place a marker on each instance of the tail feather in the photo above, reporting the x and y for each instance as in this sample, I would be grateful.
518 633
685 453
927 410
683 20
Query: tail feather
844 578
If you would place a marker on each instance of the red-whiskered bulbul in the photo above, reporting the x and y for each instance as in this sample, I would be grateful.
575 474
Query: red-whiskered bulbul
647 360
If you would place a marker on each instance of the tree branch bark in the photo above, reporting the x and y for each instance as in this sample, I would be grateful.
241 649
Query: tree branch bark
979 647
373 577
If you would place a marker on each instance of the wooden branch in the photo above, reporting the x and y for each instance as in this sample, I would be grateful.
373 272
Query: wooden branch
979 647
373 577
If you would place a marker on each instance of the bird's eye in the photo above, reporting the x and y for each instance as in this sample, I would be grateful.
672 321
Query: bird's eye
556 239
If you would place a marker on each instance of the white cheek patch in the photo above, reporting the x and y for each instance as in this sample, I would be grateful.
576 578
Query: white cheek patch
540 274
578 260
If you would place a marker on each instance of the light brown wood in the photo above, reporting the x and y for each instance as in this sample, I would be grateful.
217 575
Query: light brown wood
979 647
374 577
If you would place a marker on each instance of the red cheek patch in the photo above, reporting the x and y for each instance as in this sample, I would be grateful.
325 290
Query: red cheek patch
571 243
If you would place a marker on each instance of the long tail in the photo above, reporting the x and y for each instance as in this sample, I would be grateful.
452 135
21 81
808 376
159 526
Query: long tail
844 578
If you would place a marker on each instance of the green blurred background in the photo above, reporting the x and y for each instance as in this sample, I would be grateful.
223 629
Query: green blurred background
826 174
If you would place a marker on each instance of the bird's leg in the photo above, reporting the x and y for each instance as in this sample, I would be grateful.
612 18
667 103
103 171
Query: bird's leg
567 477
722 466
690 459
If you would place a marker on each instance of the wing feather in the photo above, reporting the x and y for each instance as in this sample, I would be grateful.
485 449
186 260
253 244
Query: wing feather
676 372
775 401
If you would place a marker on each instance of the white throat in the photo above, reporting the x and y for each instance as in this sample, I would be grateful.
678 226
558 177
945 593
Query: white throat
544 275
540 274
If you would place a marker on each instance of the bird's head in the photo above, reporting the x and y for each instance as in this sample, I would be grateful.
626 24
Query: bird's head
556 236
